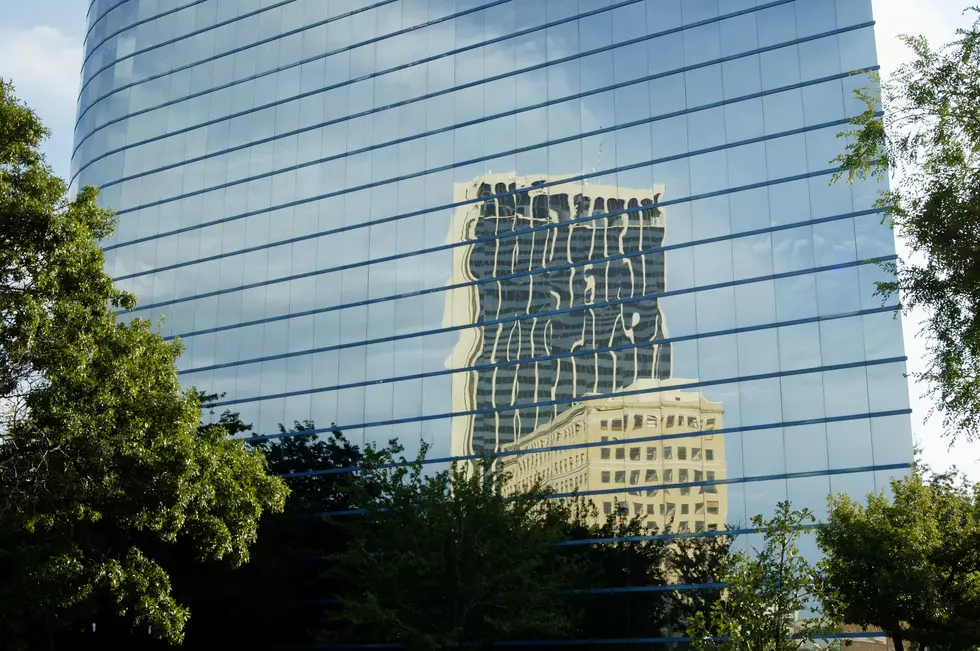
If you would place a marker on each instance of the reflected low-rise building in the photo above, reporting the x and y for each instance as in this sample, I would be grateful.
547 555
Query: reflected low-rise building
632 454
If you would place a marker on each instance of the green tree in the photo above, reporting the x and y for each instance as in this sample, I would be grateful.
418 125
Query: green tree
768 594
697 561
618 562
445 560
909 565
929 141
278 591
102 459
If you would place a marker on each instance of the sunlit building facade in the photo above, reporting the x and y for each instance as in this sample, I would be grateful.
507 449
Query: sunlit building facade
480 224
630 454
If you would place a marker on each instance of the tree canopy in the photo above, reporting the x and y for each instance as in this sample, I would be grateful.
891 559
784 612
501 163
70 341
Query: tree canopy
909 565
928 141
102 457
768 604
444 559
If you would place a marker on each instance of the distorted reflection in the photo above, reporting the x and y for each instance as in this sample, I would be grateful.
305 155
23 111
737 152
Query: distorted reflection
565 276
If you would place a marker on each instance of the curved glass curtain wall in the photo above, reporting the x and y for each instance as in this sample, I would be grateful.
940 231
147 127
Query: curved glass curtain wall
512 225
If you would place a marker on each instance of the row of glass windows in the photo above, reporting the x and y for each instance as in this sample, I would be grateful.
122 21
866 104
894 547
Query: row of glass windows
376 208
655 54
745 501
792 348
108 17
853 441
400 143
653 453
835 439
651 476
752 73
307 316
262 42
402 325
288 140
721 358
365 239
200 26
803 396
690 265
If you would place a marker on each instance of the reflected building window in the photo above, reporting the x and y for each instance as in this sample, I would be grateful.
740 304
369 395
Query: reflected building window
581 424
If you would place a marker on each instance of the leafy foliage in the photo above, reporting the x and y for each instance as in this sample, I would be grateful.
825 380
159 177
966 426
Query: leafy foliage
909 566
445 560
929 142
448 560
697 561
278 591
620 555
102 460
765 594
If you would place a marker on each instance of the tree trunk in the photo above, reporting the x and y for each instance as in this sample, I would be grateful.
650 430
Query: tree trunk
897 642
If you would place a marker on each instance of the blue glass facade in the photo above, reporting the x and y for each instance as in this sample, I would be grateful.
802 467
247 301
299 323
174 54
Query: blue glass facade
514 225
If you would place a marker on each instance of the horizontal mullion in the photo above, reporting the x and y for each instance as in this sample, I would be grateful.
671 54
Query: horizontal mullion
550 269
471 161
433 58
584 398
632 589
319 272
128 27
474 122
612 540
526 360
176 38
485 198
292 315
511 319
829 472
299 30
510 363
501 454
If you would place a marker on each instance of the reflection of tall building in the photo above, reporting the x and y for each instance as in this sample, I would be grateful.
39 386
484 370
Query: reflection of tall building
630 466
547 299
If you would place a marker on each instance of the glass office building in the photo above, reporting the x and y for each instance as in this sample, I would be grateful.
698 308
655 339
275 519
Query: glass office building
596 236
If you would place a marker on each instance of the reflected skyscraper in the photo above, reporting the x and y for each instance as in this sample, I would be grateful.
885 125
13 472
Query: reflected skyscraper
563 277
486 225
